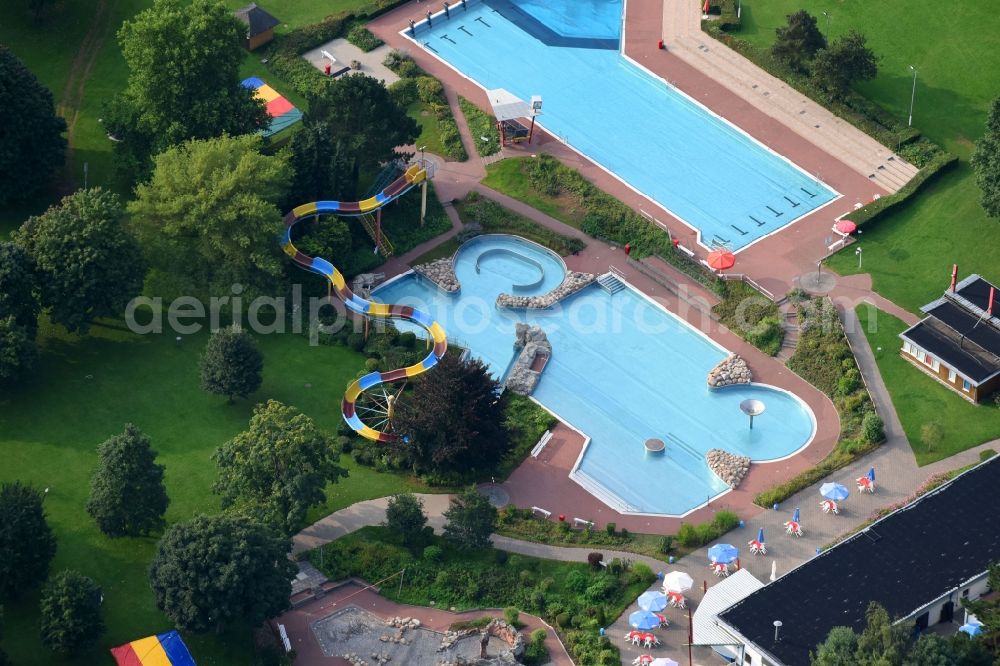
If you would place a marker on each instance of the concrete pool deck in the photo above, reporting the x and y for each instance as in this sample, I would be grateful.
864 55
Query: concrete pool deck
775 261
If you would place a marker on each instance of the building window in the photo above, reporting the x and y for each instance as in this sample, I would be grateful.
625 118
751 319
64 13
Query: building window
951 375
965 593
907 347
928 359
966 385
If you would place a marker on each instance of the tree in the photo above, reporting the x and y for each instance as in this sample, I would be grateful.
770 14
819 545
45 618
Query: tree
881 643
183 82
71 612
18 311
986 162
127 495
988 612
471 519
797 42
320 166
17 349
278 468
455 421
931 434
88 265
847 61
208 217
404 515
838 649
32 147
27 544
214 570
363 117
231 364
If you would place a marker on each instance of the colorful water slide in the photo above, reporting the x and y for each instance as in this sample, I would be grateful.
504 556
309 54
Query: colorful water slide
414 175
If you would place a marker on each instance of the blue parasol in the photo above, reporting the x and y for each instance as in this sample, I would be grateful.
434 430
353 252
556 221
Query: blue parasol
652 601
972 628
723 553
760 535
871 475
795 516
643 620
834 491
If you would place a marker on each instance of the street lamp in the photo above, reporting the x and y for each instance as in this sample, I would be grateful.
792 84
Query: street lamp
913 94
827 15
857 251
421 149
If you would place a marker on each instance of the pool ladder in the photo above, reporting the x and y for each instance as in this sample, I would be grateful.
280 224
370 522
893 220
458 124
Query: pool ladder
610 283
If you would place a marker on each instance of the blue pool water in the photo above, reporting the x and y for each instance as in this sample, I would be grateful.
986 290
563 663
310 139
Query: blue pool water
622 370
699 167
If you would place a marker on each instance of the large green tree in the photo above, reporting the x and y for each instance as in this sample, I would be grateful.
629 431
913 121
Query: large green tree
88 264
798 40
364 118
471 519
405 517
31 144
18 311
127 495
986 162
845 62
208 217
70 612
27 544
454 421
211 571
321 167
184 83
987 611
278 468
231 364
838 649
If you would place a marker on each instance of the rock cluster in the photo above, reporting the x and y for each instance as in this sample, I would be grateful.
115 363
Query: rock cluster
572 283
732 469
441 272
498 628
404 622
731 370
532 342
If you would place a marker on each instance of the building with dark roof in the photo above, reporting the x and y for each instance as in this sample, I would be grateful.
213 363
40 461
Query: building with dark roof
260 25
917 562
958 342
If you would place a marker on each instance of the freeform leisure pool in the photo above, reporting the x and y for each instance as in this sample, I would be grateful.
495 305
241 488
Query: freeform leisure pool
622 370
706 172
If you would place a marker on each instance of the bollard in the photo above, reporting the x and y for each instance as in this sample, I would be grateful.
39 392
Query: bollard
742 524
775 506
659 45
671 560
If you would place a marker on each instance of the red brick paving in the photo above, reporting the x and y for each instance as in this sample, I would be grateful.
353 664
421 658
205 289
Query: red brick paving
298 622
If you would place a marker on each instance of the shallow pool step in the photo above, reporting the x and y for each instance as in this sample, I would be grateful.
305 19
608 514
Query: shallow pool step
610 283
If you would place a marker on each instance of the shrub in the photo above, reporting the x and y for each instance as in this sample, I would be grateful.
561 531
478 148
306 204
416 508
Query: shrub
667 544
404 92
362 37
872 428
725 521
356 341
407 340
511 615
562 620
409 69
986 454
595 559
430 90
611 528
576 581
371 364
687 535
501 556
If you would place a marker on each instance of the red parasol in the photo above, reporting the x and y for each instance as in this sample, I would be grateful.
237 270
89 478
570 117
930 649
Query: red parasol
845 227
705 8
720 260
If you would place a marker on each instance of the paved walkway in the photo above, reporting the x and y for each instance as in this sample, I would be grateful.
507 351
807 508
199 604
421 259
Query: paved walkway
684 38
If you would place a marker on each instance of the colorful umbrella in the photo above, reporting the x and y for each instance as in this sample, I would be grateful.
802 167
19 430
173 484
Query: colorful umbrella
846 227
677 581
972 628
833 491
161 650
760 535
652 601
871 475
723 553
720 260
795 516
643 620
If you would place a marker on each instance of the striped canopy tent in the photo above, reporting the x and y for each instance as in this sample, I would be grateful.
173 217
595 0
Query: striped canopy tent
283 113
160 650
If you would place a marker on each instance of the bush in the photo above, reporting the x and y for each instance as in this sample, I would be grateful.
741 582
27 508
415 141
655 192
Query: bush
725 521
430 90
407 340
687 535
667 545
356 341
595 559
361 37
404 92
371 364
409 69
986 454
872 428
611 528
481 124
511 615
501 556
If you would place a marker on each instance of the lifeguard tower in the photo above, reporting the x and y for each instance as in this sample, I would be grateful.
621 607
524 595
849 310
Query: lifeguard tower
509 109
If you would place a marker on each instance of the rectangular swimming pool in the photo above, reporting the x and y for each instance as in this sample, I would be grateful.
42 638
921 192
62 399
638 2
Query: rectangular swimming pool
717 179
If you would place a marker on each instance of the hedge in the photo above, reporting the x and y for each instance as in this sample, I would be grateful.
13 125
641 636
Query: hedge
480 124
878 208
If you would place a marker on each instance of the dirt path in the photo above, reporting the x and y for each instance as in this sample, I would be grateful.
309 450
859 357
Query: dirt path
76 84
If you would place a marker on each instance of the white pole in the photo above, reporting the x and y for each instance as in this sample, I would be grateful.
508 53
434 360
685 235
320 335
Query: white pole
913 95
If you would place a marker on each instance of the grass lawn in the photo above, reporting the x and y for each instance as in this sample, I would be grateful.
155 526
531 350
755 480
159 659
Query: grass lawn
430 133
83 391
919 399
496 219
910 252
509 177
445 249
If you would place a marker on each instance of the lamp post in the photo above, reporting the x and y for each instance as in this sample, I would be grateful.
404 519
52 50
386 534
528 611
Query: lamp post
827 15
857 251
913 95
